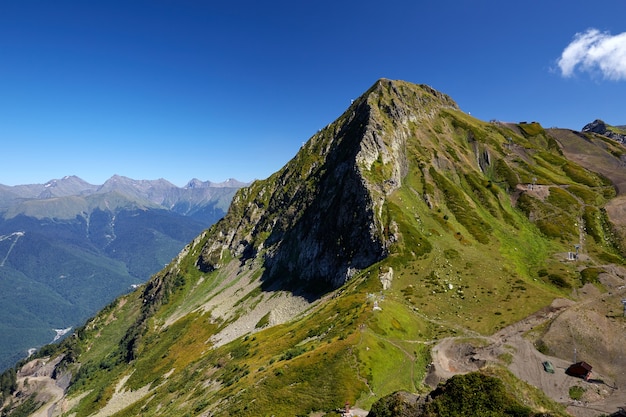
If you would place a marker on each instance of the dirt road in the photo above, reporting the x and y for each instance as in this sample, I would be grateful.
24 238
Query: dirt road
508 347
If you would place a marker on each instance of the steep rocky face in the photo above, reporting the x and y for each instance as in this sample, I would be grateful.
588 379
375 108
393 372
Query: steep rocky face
319 220
598 126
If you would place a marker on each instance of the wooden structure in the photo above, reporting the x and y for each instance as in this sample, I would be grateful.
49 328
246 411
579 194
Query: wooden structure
579 369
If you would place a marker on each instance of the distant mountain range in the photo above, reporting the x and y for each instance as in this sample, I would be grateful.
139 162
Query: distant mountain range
70 196
68 247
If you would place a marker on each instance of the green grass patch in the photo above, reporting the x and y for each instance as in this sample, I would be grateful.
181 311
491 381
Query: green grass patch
263 321
531 129
586 194
172 348
580 175
390 365
562 199
576 392
465 214
590 275
525 393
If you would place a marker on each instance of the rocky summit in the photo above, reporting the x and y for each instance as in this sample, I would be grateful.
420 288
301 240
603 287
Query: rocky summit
409 257
614 132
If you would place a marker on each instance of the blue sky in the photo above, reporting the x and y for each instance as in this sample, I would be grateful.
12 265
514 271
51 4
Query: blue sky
214 90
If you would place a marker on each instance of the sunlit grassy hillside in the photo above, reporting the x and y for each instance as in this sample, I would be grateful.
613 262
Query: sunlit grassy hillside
468 229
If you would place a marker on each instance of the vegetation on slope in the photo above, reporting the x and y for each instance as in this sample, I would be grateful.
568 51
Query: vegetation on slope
473 394
465 227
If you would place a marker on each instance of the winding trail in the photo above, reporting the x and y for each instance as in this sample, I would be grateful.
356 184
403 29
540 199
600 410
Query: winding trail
508 347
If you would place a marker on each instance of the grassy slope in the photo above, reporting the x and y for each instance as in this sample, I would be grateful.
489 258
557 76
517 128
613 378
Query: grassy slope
345 350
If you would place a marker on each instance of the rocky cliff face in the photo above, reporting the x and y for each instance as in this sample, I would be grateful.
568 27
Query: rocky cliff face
598 126
319 220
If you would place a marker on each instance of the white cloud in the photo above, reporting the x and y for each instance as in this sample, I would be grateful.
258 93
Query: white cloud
594 51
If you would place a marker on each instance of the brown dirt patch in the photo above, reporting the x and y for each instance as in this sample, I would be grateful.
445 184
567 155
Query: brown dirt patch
592 329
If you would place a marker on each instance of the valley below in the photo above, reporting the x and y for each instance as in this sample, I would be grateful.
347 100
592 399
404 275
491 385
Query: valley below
67 248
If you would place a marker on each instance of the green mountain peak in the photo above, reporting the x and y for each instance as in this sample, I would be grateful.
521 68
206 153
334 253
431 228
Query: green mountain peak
405 243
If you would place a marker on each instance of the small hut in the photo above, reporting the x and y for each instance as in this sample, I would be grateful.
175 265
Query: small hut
580 370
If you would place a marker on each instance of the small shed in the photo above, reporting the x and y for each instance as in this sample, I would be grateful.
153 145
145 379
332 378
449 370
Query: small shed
580 370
